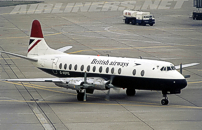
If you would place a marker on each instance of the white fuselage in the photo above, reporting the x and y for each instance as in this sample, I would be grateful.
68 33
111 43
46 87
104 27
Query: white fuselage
126 72
121 66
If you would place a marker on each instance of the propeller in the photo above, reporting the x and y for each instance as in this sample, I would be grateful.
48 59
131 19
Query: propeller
109 86
185 76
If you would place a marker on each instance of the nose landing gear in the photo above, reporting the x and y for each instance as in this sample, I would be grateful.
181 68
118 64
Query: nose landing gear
165 100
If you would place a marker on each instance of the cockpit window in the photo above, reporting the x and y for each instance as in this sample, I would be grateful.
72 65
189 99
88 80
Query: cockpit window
167 68
173 67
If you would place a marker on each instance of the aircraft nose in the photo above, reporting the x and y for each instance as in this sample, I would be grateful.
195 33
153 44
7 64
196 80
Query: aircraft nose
181 83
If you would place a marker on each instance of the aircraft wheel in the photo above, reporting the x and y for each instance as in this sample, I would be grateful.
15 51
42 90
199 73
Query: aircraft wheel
133 22
130 92
164 101
143 23
127 21
80 96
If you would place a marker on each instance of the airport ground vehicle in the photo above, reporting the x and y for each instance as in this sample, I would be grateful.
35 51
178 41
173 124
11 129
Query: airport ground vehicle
197 15
138 17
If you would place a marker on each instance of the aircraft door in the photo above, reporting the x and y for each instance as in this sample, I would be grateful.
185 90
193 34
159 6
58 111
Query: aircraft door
54 69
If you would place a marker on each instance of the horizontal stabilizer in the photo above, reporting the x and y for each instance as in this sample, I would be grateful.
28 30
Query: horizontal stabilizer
63 49
21 56
186 65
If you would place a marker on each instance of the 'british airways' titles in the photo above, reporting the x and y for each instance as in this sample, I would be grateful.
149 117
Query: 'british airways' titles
107 62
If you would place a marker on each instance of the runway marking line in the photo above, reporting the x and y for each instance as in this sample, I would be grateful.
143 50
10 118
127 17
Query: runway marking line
33 86
127 48
195 82
9 58
106 104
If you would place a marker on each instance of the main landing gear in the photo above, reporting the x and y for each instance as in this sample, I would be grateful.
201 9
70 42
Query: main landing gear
81 96
130 92
165 100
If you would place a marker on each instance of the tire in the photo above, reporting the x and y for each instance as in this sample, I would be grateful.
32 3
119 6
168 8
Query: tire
80 96
133 22
127 21
151 24
164 101
130 92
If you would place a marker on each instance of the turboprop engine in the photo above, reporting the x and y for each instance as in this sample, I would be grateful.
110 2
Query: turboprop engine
78 84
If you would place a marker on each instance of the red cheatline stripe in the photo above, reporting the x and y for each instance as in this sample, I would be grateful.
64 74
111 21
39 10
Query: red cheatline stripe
34 45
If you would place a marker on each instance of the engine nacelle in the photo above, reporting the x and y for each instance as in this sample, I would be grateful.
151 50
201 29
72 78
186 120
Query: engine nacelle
78 84
71 86
99 86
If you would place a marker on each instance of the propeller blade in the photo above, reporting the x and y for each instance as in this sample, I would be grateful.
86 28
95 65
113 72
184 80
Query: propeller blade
85 77
84 97
85 81
107 95
111 79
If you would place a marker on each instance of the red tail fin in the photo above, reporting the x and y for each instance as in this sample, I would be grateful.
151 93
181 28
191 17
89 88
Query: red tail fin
37 44
36 29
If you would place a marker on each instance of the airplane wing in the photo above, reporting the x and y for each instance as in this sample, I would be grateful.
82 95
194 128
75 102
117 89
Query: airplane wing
72 83
37 80
63 49
186 65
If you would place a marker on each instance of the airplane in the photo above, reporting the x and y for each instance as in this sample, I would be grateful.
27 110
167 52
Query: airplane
86 73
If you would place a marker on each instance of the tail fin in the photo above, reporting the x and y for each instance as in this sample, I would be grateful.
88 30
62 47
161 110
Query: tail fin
37 44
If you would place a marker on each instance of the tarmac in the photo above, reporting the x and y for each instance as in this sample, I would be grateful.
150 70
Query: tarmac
97 28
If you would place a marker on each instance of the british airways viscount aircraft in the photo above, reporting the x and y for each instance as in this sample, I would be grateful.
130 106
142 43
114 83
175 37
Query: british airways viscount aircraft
86 73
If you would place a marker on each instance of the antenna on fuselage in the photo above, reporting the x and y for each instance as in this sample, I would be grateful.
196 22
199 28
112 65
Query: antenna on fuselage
140 57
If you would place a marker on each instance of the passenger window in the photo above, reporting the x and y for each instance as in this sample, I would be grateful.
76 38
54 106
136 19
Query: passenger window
82 67
65 66
112 70
142 73
119 71
70 66
88 68
75 67
94 68
100 69
60 66
134 72
107 70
